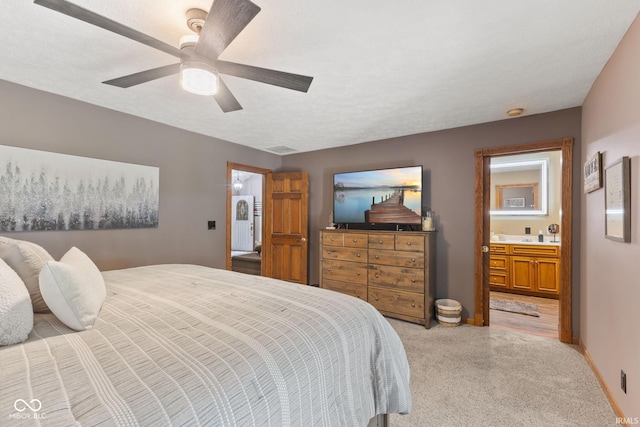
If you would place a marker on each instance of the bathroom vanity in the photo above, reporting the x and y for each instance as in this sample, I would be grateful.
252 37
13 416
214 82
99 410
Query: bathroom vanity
529 268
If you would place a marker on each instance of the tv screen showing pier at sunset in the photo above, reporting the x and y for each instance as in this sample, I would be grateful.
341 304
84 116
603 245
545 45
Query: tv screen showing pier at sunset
389 196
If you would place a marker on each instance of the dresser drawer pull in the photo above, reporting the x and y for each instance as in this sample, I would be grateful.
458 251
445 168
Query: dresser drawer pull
331 238
328 269
355 240
413 280
358 295
408 243
377 275
377 257
413 304
358 254
413 260
380 241
375 298
357 273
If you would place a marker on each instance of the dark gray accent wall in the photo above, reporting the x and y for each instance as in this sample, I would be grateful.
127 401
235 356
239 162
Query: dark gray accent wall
448 187
193 180
192 176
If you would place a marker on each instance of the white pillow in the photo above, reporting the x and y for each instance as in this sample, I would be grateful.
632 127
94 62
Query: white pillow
26 259
74 289
16 312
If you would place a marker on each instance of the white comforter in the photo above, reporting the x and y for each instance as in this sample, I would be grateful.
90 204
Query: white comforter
190 345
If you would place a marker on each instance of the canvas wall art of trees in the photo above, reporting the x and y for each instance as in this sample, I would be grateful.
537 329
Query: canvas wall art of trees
40 191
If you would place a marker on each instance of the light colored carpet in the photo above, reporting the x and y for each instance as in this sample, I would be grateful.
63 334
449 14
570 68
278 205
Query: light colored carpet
473 376
514 307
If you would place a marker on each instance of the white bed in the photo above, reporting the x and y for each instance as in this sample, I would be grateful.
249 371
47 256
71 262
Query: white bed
190 345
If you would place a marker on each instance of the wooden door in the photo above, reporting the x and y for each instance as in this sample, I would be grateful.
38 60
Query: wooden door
287 229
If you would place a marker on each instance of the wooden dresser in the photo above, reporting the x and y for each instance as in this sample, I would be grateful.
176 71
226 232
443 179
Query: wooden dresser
393 270
525 269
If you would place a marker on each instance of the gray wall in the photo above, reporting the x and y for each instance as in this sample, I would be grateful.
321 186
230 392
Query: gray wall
449 178
192 176
610 287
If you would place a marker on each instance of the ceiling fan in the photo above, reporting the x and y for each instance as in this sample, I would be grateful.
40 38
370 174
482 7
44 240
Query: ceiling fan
199 64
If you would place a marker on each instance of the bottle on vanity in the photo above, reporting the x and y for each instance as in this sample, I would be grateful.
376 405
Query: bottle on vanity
540 236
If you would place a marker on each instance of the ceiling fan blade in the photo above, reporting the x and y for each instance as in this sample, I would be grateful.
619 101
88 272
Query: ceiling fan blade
144 76
264 75
225 98
224 22
85 15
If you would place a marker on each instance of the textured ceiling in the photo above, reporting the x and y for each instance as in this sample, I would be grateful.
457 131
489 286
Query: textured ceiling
381 69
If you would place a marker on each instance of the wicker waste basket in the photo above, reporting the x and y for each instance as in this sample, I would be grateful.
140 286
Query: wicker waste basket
448 312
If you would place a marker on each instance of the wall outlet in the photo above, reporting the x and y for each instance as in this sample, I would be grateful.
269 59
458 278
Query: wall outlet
623 381
211 225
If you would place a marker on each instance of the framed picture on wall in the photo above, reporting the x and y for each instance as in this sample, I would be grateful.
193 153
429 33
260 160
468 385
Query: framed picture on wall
593 173
617 200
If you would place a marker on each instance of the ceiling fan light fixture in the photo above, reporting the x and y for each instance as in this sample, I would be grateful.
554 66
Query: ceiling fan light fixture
198 78
188 40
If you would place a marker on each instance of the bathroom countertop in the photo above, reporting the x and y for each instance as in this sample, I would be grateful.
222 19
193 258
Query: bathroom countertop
520 242
523 240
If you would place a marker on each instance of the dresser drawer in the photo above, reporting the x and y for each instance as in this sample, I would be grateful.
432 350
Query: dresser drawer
411 279
333 239
358 291
355 240
400 302
344 254
382 241
397 258
498 262
409 243
344 271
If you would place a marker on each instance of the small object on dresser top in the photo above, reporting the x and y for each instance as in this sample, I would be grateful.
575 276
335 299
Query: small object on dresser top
428 223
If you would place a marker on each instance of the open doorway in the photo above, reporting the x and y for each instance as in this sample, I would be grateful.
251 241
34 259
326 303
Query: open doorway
283 222
245 219
524 250
520 272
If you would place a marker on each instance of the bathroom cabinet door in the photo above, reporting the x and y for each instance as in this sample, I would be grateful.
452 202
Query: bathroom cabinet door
523 273
547 275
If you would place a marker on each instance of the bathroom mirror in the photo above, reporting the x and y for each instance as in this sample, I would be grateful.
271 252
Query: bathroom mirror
519 187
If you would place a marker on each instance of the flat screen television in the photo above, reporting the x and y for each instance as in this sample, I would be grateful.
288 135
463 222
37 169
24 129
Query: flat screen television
380 196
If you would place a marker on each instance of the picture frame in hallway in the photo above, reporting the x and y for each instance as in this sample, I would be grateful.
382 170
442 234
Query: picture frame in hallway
617 183
592 173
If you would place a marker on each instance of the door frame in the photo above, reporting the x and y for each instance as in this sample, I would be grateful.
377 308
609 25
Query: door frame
482 228
253 169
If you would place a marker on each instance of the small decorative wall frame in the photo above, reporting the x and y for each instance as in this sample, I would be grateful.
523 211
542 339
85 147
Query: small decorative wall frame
617 200
592 173
41 191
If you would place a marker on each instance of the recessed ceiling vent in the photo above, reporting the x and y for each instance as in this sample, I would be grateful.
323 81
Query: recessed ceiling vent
281 149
